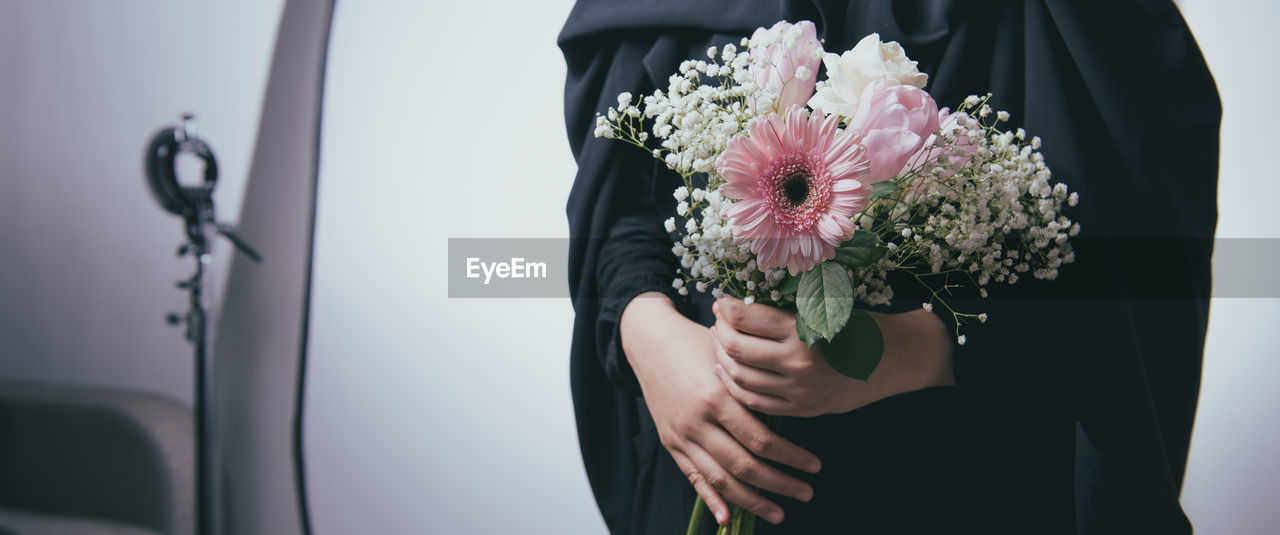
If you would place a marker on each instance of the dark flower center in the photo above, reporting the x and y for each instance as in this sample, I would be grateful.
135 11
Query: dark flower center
796 188
796 191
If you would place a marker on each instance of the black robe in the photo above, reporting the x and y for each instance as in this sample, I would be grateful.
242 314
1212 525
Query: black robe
1074 404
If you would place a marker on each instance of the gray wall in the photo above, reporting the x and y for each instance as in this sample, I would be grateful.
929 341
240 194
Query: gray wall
87 265
1233 475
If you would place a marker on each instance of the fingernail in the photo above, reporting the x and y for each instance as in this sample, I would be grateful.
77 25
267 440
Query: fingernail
812 467
805 495
719 369
774 517
720 517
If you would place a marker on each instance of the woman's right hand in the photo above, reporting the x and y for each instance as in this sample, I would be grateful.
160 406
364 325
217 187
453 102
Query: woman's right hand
714 440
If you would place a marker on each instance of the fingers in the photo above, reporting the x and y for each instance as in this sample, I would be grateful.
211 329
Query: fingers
733 489
766 403
761 320
763 442
752 378
696 477
749 469
748 349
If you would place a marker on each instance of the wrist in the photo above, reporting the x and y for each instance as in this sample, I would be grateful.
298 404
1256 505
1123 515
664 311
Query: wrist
644 315
917 353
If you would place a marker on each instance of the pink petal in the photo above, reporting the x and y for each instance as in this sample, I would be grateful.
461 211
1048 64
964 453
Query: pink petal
746 214
826 134
831 230
847 184
888 150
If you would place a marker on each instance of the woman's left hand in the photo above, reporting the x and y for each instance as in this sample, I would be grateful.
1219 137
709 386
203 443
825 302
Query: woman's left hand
767 368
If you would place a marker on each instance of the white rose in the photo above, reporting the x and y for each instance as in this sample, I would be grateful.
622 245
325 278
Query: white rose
849 73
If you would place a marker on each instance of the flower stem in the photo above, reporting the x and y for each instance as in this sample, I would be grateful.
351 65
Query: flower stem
695 519
737 521
741 521
749 525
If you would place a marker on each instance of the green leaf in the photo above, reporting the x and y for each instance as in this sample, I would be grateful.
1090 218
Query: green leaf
790 285
807 335
855 351
825 298
863 249
862 238
883 189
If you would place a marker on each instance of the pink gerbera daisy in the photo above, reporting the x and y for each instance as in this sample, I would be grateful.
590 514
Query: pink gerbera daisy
798 181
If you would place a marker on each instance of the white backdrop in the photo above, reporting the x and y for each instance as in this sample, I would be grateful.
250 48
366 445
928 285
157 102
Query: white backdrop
427 414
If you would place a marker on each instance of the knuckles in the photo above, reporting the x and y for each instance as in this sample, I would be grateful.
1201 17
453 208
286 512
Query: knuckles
695 477
740 399
718 481
708 402
731 348
738 314
709 405
673 436
799 366
685 429
667 442
744 468
760 444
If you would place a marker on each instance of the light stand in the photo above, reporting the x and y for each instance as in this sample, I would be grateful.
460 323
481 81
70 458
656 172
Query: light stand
195 205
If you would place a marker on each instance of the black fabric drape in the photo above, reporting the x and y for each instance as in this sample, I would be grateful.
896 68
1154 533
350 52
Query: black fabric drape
1074 406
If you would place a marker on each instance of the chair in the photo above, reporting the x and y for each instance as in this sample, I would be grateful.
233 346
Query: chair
84 461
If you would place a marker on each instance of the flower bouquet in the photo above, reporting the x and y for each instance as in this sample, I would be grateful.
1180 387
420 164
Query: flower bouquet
807 194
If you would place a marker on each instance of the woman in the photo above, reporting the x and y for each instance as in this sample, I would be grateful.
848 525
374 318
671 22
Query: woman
1069 412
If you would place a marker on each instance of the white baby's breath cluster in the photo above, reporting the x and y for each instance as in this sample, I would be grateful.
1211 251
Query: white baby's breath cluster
705 104
978 207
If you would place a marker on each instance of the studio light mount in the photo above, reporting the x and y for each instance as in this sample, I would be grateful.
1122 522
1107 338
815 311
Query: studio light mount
194 204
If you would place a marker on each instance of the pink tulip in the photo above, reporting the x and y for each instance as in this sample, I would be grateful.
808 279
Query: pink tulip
954 156
894 121
791 49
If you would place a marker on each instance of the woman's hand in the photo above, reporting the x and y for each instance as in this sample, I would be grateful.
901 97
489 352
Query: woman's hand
714 440
766 367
